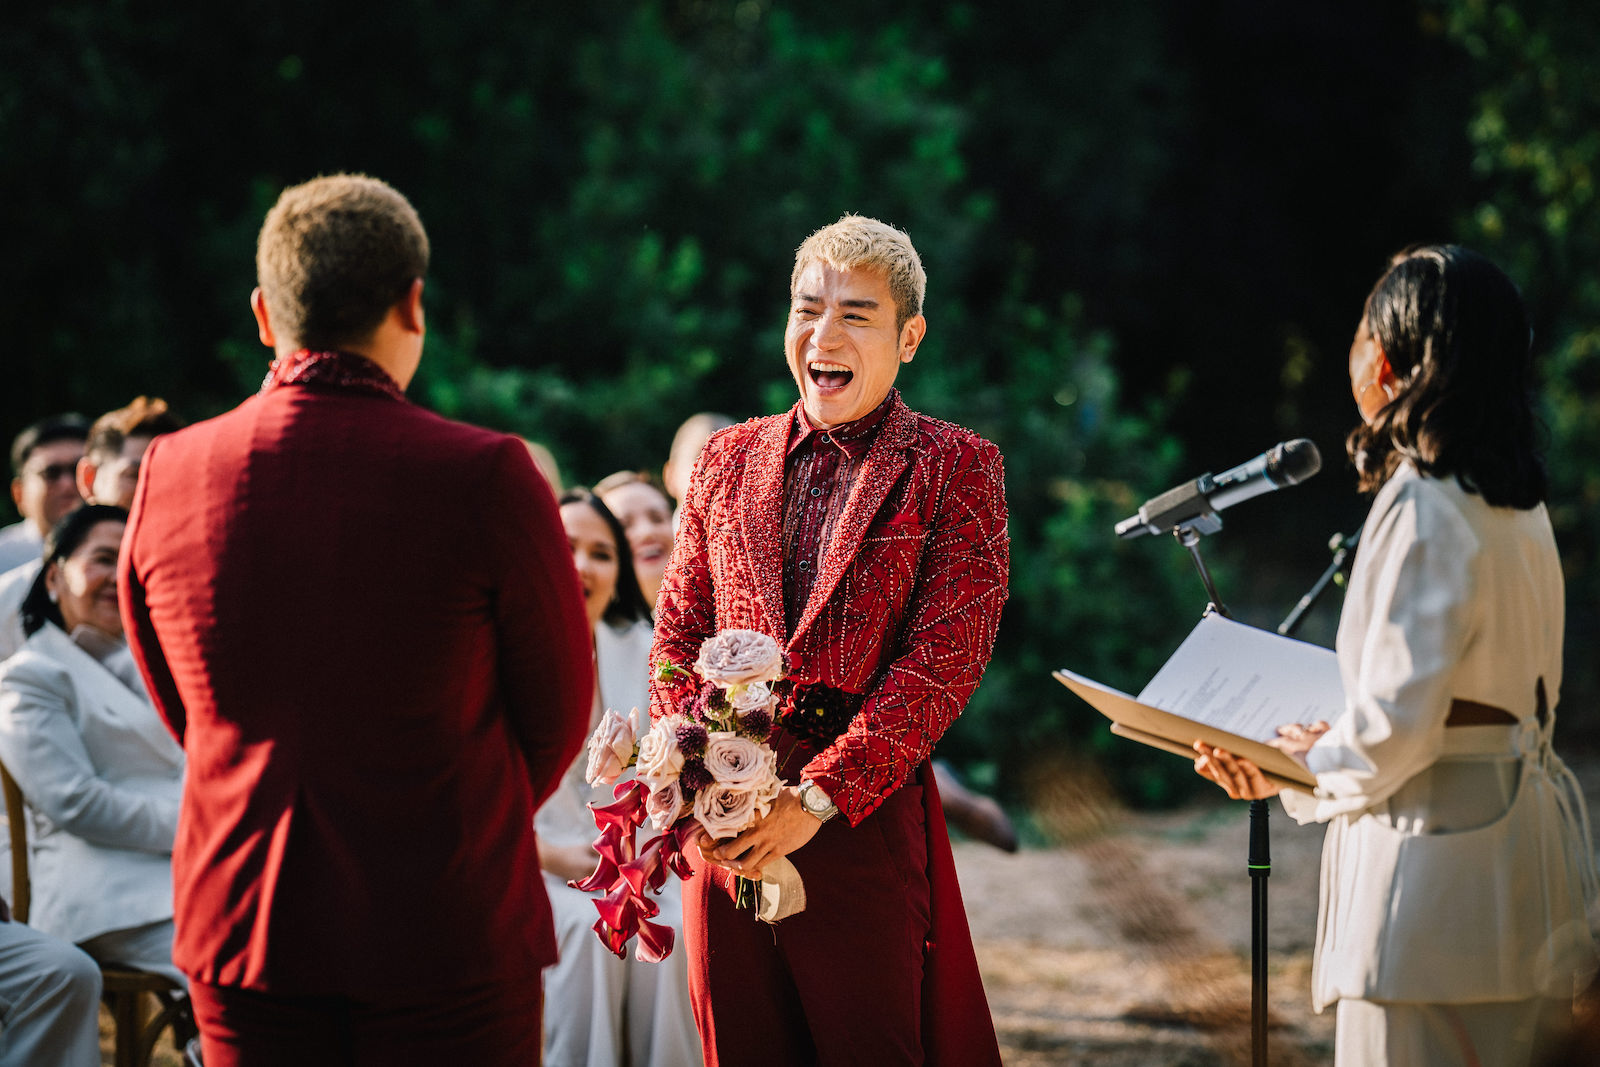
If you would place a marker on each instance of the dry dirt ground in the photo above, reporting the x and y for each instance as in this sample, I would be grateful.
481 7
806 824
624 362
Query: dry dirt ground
1127 943
1133 948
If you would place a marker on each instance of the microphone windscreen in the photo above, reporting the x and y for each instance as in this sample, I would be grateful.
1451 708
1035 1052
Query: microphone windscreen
1293 462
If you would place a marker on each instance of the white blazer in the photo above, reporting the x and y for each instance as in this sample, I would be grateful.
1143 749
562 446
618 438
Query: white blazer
102 778
1457 866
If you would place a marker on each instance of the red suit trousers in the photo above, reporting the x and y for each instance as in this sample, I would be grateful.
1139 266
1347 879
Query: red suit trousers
839 983
496 1025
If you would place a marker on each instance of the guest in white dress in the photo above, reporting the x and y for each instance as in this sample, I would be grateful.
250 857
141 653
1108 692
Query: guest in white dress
1457 869
601 1011
101 774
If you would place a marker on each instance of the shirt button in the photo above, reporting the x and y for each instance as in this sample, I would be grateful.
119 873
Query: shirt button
816 491
804 564
826 437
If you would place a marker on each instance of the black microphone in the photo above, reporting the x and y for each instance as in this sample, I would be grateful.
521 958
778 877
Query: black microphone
1197 502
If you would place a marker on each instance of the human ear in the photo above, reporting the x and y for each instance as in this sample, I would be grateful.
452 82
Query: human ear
258 306
911 335
1384 375
410 308
85 476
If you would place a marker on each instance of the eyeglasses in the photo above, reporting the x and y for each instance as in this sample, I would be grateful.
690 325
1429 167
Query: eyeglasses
55 472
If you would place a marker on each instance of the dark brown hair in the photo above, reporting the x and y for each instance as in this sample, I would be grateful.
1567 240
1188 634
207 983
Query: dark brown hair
68 535
1456 334
627 602
334 255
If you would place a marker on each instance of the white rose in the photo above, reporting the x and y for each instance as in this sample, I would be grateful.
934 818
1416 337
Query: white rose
755 695
665 805
725 812
659 757
611 747
739 763
732 657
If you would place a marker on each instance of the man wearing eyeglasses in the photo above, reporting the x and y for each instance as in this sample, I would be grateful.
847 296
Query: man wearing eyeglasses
44 464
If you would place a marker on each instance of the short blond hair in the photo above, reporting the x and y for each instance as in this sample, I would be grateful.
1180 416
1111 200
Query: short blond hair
856 242
334 255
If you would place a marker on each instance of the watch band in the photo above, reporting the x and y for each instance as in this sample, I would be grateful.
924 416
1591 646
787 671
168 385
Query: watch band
810 795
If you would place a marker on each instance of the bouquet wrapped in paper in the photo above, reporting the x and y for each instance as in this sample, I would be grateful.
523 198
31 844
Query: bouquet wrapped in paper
707 766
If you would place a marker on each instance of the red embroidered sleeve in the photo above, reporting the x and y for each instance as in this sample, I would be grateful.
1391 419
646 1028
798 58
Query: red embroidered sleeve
686 612
949 634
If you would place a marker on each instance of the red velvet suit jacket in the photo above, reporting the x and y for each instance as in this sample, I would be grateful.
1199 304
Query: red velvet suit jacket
906 604
363 623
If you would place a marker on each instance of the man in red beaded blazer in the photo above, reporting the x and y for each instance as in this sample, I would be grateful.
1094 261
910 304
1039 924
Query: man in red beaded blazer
870 541
374 696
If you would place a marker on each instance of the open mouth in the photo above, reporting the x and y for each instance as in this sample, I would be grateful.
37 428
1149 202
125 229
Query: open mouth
829 376
650 553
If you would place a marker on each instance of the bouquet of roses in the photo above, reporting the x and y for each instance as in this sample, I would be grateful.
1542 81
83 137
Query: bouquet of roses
706 767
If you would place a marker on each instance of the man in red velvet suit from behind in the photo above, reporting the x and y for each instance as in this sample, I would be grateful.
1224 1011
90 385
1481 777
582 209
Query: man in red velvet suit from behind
870 541
375 696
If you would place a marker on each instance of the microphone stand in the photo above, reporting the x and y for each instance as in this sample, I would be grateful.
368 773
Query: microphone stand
1341 547
1258 860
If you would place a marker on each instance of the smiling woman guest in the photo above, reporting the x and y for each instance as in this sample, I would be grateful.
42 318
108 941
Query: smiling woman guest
646 517
100 772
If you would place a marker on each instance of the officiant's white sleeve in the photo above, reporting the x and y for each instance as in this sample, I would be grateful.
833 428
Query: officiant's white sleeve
1409 616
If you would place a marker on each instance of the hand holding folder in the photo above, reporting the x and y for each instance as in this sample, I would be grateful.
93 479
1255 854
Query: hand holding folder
1230 686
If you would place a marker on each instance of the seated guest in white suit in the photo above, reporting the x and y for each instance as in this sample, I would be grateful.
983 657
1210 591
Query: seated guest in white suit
101 774
601 1011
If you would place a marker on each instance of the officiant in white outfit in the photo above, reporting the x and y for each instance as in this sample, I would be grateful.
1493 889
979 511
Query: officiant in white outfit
1457 867
601 1011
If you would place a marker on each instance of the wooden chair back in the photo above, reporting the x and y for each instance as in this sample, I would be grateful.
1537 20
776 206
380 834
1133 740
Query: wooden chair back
17 822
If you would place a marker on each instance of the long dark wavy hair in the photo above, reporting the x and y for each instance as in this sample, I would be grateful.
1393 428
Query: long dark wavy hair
628 604
1456 334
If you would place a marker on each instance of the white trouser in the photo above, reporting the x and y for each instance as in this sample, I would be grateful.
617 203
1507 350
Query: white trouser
49 1001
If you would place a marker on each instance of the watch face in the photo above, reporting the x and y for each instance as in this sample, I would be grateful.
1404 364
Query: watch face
812 802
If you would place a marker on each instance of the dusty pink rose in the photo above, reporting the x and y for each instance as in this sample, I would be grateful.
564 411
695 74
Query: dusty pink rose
725 812
660 759
665 805
735 657
739 763
611 747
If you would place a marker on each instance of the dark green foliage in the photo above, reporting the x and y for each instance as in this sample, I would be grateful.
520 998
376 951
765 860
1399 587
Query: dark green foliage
1147 230
1536 140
